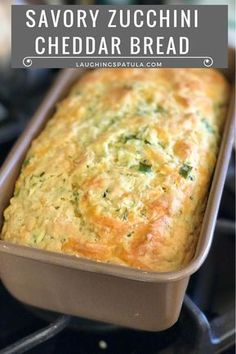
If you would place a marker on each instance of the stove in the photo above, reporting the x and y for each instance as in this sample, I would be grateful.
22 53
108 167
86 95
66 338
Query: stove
206 323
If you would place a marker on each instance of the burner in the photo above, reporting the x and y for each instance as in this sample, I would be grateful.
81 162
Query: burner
76 323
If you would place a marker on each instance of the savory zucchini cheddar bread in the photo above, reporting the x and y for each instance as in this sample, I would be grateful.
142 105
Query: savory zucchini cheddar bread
121 173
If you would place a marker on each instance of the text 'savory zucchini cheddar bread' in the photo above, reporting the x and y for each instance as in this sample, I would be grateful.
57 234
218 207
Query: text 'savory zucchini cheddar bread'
121 173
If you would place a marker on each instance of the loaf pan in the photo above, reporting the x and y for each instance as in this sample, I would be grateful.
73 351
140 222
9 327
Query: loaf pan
81 287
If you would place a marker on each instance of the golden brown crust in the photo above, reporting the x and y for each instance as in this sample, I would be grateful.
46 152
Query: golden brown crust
121 172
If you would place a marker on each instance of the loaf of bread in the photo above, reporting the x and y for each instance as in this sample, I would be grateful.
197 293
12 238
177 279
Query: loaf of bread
121 172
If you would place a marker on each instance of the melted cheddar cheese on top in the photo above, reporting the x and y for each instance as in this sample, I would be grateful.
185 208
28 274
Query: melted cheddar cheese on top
121 173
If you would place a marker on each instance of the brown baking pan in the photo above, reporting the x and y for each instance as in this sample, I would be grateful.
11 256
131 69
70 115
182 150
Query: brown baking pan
105 292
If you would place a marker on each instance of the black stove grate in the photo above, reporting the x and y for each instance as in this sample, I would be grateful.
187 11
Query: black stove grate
36 338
